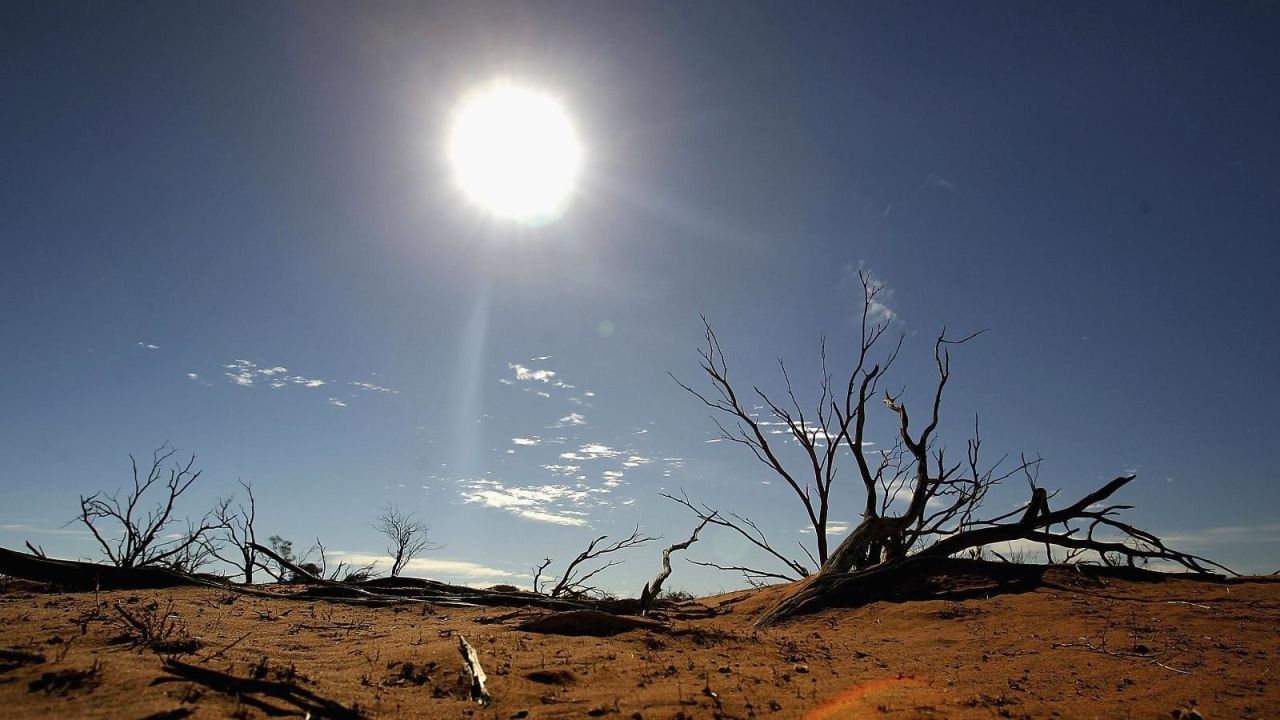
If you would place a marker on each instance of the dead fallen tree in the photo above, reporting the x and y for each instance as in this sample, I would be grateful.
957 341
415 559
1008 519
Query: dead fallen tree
387 591
653 589
80 576
920 504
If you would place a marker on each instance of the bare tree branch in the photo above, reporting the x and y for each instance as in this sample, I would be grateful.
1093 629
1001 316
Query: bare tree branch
654 588
573 584
407 535
140 541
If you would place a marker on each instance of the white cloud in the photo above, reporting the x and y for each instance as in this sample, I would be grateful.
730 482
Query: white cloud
336 401
246 374
430 567
240 372
565 470
833 528
879 310
526 441
528 374
636 461
939 182
540 503
570 419
591 451
192 376
375 388
36 530
148 346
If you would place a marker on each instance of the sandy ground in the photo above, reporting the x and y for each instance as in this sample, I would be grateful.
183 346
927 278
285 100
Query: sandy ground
1076 648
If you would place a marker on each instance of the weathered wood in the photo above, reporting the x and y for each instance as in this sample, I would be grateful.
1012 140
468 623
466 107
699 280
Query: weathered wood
653 589
472 661
79 576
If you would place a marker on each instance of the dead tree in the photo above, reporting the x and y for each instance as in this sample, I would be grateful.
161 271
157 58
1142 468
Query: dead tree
654 588
537 575
407 534
343 571
573 582
239 529
142 538
835 420
918 503
749 530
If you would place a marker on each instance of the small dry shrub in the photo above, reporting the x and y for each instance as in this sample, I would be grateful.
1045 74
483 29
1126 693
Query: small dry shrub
156 628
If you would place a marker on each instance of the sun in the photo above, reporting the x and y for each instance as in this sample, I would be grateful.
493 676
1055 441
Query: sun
514 152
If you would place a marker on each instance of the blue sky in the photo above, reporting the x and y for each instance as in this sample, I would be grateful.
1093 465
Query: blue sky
195 195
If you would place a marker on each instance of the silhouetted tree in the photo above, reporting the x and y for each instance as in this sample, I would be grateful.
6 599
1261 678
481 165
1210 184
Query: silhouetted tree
142 538
917 502
407 534
573 581
239 529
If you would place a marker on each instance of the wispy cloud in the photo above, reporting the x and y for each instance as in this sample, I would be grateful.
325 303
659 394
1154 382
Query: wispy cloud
634 461
38 530
526 441
563 470
148 346
337 402
430 567
556 504
375 388
247 374
528 374
591 451
938 181
541 381
880 310
569 420
833 528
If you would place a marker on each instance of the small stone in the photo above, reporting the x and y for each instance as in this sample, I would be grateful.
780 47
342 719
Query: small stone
802 669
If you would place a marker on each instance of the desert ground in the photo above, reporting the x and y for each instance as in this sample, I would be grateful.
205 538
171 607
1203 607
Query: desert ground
1074 647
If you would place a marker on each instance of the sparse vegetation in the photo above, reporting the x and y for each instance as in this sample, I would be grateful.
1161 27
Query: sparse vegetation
155 627
407 534
143 535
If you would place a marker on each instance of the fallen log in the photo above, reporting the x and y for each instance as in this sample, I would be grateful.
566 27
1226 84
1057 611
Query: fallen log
410 590
78 576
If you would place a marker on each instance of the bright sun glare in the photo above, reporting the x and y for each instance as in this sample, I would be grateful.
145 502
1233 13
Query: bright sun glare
514 152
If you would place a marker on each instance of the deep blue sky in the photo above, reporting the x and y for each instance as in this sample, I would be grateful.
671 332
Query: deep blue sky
245 186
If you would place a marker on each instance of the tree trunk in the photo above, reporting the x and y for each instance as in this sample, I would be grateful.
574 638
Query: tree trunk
84 576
